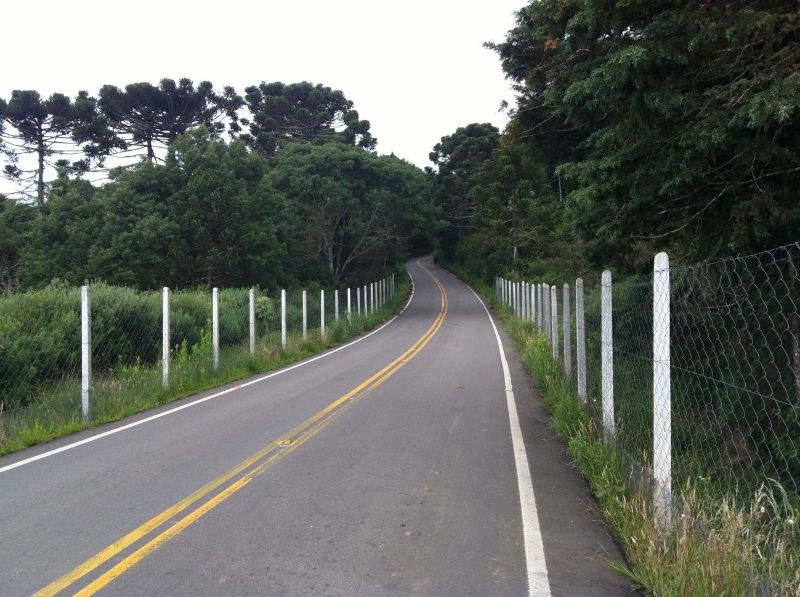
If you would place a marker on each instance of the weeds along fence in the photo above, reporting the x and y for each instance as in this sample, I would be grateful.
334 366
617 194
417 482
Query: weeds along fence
692 372
72 354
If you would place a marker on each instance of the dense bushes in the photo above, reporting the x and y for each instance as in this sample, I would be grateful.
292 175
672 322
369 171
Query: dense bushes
40 331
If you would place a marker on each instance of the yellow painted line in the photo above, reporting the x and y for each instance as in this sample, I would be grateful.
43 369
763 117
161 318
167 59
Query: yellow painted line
285 444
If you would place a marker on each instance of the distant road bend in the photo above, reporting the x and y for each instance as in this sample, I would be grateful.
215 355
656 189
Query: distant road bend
412 461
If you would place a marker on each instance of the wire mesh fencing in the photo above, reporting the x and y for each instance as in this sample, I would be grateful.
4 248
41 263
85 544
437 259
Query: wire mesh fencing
146 347
693 372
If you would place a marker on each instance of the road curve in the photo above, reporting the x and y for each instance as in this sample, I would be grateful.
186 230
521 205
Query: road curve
398 465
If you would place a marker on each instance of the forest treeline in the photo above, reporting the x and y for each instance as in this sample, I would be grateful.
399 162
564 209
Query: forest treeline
274 187
638 127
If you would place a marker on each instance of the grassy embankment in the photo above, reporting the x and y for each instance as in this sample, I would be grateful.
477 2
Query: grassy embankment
39 378
718 546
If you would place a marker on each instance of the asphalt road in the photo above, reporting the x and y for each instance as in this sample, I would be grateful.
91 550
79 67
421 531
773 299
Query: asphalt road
397 465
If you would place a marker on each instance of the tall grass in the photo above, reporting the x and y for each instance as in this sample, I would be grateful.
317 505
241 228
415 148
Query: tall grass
718 545
134 384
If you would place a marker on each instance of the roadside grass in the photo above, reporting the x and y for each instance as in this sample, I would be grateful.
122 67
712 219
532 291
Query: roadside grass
717 547
55 410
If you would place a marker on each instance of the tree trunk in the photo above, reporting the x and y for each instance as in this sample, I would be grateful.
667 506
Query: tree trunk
151 155
40 175
514 244
794 328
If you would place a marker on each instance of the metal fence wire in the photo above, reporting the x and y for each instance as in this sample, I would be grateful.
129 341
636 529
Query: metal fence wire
706 394
736 371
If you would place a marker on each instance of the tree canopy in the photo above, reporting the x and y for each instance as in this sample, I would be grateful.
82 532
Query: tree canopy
658 125
217 214
347 209
302 112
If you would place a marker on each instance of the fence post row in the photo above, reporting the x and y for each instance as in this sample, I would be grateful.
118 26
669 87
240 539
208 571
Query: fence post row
607 356
252 313
539 303
283 319
215 325
580 339
662 394
554 318
165 341
567 333
321 312
86 355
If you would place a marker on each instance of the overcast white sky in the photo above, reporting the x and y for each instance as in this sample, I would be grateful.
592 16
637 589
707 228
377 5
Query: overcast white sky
415 69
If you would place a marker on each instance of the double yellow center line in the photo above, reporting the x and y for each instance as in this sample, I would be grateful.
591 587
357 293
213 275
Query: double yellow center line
241 475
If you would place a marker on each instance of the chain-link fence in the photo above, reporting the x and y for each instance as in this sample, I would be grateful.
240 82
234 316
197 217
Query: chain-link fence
706 392
136 361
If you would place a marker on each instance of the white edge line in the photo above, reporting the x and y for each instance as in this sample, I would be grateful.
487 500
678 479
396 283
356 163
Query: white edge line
538 582
93 438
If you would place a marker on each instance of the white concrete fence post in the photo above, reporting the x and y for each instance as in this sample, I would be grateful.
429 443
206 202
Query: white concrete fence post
305 315
545 314
662 394
607 355
526 303
542 301
366 303
86 354
322 313
165 340
358 300
554 318
532 294
547 325
336 305
567 333
215 326
580 339
349 305
283 319
252 314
